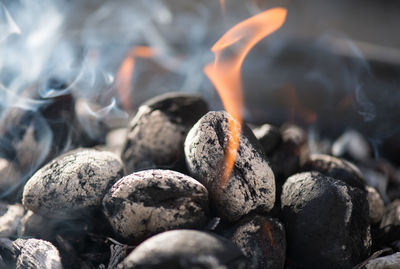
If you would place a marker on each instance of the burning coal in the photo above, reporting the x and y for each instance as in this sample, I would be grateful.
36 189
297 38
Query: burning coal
225 71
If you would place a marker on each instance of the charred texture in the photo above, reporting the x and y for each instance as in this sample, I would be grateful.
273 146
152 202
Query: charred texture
251 185
72 183
181 249
157 133
327 221
152 201
262 240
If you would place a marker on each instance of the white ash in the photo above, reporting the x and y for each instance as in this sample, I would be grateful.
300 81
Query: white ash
251 184
157 132
74 182
36 254
386 262
151 201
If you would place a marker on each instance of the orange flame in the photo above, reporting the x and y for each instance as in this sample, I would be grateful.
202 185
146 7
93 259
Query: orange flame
225 73
124 75
222 4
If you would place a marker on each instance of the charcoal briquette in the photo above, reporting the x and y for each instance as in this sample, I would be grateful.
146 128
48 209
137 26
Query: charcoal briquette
269 137
262 240
375 204
152 201
35 254
326 220
337 168
182 249
251 184
72 183
157 132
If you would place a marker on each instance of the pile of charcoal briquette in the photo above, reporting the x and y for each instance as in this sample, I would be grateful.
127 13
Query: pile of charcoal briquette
153 195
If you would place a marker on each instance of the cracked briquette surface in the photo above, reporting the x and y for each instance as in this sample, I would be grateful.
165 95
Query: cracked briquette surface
74 182
151 201
157 132
251 184
326 220
181 249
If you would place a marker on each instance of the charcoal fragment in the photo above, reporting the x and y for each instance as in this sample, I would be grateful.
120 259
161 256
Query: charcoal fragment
262 240
336 168
391 216
386 262
72 183
157 132
326 220
251 185
10 219
269 137
152 201
181 249
376 205
290 154
36 254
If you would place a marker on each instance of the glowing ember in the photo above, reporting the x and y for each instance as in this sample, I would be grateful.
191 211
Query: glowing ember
124 75
225 73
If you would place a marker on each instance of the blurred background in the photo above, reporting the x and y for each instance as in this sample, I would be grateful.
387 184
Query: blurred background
333 66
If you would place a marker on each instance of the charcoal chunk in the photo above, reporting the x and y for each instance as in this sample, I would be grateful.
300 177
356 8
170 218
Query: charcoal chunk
391 216
72 183
181 249
386 262
376 205
269 137
36 254
152 201
251 184
336 168
262 240
157 133
327 221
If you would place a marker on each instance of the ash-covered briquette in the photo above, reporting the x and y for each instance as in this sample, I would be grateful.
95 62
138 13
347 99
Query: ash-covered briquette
375 204
152 201
387 262
182 249
157 132
262 240
10 219
251 184
326 220
36 254
288 157
336 168
391 216
269 137
72 184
